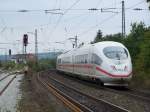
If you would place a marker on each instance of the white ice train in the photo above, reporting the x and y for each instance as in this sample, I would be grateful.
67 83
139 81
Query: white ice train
107 62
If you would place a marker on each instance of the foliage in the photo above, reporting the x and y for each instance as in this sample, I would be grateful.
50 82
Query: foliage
148 2
138 44
99 37
10 65
143 58
116 37
43 64
135 38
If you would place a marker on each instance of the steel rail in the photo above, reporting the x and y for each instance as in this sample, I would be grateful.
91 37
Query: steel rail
4 77
3 90
68 101
128 92
131 93
109 105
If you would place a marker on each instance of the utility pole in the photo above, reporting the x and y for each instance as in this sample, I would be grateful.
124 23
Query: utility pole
76 41
22 48
123 20
36 46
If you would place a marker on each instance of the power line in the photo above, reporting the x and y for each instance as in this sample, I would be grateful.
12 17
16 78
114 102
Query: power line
59 19
92 27
70 8
143 1
52 10
110 17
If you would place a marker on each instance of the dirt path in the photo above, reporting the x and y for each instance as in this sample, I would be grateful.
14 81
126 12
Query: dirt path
35 98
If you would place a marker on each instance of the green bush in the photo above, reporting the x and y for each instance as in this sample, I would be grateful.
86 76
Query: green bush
10 65
43 64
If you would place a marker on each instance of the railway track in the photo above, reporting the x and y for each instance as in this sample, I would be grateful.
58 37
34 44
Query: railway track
133 93
129 92
6 86
4 77
75 99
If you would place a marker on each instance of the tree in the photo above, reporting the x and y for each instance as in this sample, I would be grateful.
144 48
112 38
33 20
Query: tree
143 60
148 2
113 37
99 37
135 38
137 30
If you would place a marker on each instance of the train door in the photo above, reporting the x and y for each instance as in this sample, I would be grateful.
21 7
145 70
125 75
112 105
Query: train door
91 61
73 62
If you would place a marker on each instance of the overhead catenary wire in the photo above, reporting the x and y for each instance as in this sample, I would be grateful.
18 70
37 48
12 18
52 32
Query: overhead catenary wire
59 9
52 10
60 17
89 13
105 20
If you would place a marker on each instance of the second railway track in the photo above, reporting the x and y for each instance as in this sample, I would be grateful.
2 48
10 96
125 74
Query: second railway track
6 86
81 100
4 77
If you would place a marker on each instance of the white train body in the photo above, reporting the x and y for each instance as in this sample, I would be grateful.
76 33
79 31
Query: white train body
108 62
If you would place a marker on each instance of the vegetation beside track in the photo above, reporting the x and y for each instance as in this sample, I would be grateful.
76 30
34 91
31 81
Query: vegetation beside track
10 65
43 64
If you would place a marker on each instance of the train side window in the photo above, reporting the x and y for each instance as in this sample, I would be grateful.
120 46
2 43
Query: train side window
96 59
81 59
66 60
59 61
86 58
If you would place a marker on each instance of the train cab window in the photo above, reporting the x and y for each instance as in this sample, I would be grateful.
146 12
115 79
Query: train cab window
115 52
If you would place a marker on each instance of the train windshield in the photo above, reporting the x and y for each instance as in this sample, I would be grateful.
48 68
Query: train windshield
115 52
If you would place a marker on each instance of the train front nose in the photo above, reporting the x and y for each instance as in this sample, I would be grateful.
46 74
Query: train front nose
116 75
120 75
118 64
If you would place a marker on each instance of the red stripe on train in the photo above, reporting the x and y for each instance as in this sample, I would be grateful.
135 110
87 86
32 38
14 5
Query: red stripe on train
112 75
98 69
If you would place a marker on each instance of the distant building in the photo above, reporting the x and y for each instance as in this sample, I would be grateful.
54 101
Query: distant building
21 58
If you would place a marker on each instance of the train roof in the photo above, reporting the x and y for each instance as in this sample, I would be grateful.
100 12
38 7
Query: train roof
108 43
97 45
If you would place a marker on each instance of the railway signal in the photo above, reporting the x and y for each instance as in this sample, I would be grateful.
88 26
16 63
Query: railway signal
25 43
9 52
25 39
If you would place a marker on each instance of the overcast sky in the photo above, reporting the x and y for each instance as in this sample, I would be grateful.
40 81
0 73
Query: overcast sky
76 20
